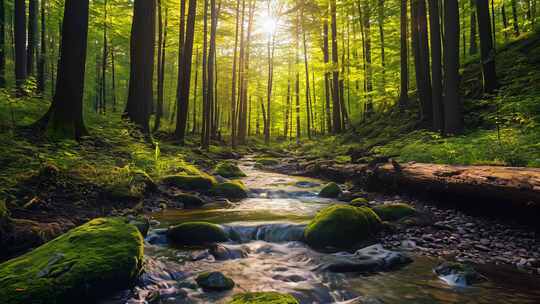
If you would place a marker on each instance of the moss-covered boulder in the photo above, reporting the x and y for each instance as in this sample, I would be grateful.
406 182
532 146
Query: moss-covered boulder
359 202
122 192
189 200
190 182
95 259
230 190
228 170
330 190
263 298
394 212
214 281
196 233
341 226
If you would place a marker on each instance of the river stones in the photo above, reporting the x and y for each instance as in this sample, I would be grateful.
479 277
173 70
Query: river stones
230 190
330 190
196 233
214 281
229 252
341 226
370 259
228 170
359 202
190 182
457 274
95 259
189 200
263 297
394 212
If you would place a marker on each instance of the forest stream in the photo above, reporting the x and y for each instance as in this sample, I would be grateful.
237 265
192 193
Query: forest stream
270 256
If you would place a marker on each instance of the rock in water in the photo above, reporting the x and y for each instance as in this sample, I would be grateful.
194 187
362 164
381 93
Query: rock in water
370 259
394 212
228 170
214 281
359 202
230 190
330 190
93 260
190 182
197 233
341 226
456 274
263 297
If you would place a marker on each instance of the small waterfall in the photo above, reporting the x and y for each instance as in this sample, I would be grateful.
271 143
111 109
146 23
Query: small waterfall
275 233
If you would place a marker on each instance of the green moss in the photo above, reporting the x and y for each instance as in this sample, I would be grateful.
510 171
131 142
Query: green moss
190 182
330 190
122 192
189 200
197 233
266 162
341 226
228 170
359 202
214 281
263 298
393 212
231 190
97 258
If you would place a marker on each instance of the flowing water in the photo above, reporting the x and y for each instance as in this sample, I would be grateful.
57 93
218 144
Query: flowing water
269 256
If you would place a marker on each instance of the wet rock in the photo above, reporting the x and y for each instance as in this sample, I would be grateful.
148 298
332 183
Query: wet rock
95 259
229 252
263 297
330 190
228 170
230 190
214 281
196 233
457 274
370 259
394 212
359 202
142 223
189 200
341 226
190 182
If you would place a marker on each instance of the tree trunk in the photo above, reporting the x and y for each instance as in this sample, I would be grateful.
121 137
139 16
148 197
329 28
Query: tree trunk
286 124
233 76
2 44
104 62
20 44
473 46
453 114
381 34
436 68
162 37
113 80
211 76
64 120
367 46
32 36
421 52
514 16
486 46
404 56
336 110
308 92
326 76
505 22
140 91
43 53
195 92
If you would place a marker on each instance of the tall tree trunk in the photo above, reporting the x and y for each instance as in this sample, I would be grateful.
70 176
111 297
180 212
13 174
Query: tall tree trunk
162 37
43 52
514 16
233 76
210 128
20 44
473 46
242 126
486 46
104 61
142 44
185 73
205 134
367 45
113 80
326 76
286 120
381 34
2 44
421 52
195 92
32 36
270 51
308 93
453 120
336 110
404 56
64 120
505 22
436 68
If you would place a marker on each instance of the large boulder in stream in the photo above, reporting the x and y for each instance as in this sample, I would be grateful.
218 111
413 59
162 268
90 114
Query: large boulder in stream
214 281
197 233
457 274
341 226
263 297
370 259
394 212
93 260
198 182
230 190
228 170
330 190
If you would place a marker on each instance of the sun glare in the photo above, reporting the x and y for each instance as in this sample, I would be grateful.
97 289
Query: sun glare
268 24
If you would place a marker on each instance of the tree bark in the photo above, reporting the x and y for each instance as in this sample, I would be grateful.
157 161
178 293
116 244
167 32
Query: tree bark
436 68
326 76
162 43
486 46
20 44
453 118
2 44
336 109
404 56
43 52
421 52
473 46
142 44
514 16
32 36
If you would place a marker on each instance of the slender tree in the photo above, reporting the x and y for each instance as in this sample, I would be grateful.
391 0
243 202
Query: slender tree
436 68
453 120
20 44
326 76
404 56
43 51
514 17
421 57
2 44
473 47
32 36
336 109
486 46
140 92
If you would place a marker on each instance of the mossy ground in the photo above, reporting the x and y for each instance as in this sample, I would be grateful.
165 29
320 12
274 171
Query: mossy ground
91 260
263 298
341 226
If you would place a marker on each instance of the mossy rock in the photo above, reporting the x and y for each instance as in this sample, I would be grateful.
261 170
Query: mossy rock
330 190
228 170
93 260
359 202
190 182
122 192
196 233
264 162
394 212
263 298
189 200
231 190
341 226
214 281
4 219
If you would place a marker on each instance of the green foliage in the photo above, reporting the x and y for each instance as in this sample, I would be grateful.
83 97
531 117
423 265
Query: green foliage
97 258
263 298
341 226
393 212
196 233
